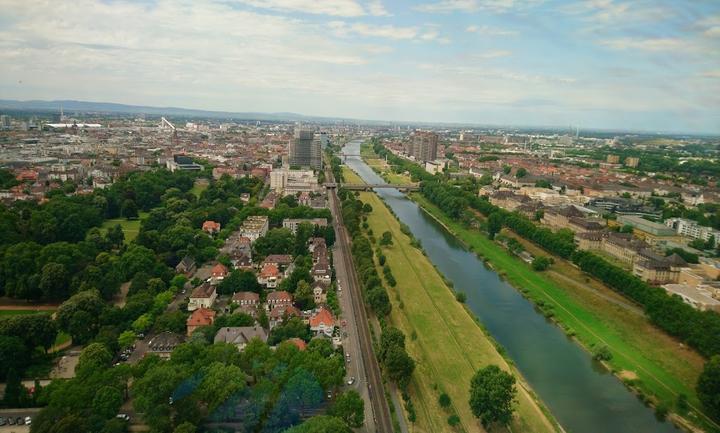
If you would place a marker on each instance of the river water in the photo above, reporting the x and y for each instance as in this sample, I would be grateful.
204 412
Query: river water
582 395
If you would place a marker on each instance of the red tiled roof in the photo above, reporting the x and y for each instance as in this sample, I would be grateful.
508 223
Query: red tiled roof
297 342
323 316
219 270
201 317
269 270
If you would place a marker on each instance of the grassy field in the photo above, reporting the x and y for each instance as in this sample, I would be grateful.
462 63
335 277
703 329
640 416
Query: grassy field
595 315
131 228
199 186
350 176
8 313
439 330
380 166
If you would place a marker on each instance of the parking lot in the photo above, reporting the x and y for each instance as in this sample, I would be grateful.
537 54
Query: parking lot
5 414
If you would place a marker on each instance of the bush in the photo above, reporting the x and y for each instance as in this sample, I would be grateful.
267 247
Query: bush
453 420
444 400
602 353
540 263
461 297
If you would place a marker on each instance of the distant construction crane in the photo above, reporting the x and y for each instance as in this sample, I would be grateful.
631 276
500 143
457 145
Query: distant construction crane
164 123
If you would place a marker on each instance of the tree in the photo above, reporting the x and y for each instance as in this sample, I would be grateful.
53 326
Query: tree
15 392
186 427
444 400
708 387
390 337
540 263
492 394
494 224
115 235
219 383
80 315
521 172
34 329
321 424
94 357
107 401
239 281
54 281
399 365
349 407
386 238
126 339
453 420
129 209
304 297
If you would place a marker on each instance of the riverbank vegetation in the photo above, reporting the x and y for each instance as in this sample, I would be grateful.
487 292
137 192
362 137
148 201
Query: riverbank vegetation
659 369
438 327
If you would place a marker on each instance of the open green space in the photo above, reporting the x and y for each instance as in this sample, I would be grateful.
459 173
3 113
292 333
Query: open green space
381 167
350 176
8 313
438 331
199 186
654 363
131 228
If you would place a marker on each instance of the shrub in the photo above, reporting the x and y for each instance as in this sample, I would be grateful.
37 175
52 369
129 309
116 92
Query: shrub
444 400
461 297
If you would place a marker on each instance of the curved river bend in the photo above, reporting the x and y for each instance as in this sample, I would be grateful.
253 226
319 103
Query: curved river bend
582 395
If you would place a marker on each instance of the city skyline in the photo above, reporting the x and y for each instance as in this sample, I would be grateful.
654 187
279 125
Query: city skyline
599 64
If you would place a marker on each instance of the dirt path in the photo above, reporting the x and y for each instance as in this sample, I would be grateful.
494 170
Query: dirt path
28 307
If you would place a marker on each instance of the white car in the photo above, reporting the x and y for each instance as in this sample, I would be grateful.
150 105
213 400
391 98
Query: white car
351 380
123 416
28 420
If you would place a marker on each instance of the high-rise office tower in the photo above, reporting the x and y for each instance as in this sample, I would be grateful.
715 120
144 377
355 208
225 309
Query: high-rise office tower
304 150
423 146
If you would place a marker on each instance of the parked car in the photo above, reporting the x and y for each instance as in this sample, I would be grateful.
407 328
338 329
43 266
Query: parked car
351 380
123 416
11 421
2 421
20 421
28 420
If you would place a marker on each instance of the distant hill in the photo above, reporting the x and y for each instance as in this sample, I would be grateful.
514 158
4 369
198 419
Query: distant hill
109 107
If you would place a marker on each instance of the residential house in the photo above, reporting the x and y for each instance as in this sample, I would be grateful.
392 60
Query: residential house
278 314
248 302
164 343
278 298
300 344
321 271
269 276
240 336
218 273
186 266
203 296
241 260
199 318
211 227
322 322
255 226
508 200
319 289
293 223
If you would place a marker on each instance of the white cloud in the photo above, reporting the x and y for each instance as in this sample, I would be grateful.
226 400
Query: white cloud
384 31
376 8
711 74
342 8
446 6
490 31
650 44
713 32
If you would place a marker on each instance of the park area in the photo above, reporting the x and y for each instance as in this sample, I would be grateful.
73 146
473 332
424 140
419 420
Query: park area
130 228
442 336
642 355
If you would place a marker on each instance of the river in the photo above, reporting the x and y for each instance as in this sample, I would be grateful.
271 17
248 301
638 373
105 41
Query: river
583 396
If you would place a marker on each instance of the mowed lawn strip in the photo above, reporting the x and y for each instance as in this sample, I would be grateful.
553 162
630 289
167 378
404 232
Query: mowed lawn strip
665 368
350 176
450 346
130 228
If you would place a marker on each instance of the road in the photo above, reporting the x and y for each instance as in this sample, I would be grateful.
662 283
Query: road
363 362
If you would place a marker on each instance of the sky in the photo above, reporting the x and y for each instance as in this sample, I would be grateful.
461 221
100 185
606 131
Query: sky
611 64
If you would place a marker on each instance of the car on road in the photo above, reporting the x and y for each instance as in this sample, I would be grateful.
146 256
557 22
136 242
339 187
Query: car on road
123 416
351 380
347 357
